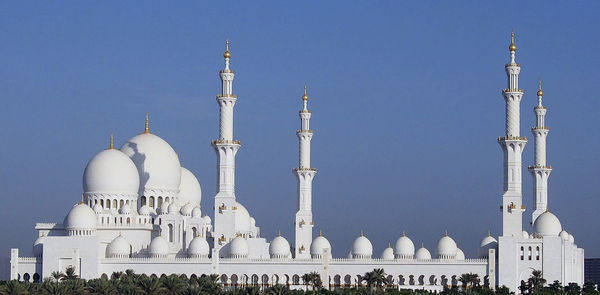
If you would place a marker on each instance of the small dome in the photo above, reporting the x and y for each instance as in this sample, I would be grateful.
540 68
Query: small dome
238 248
362 248
164 208
38 246
318 246
199 248
187 209
460 255
252 221
189 189
404 248
111 171
81 220
564 235
118 248
196 212
98 209
144 210
206 219
280 248
547 224
125 209
446 248
423 254
173 208
159 247
525 235
487 243
388 253
157 164
572 238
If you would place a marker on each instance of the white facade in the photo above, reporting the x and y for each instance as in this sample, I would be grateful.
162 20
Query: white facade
140 210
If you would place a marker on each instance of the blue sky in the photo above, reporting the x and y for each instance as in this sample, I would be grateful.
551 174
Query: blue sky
406 101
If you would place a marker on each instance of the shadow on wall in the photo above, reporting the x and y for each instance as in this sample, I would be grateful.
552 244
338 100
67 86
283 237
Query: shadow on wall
139 159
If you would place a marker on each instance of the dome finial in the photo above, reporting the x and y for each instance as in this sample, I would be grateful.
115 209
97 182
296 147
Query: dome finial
111 146
320 233
362 234
279 233
389 245
489 233
445 233
227 54
422 245
512 46
404 233
305 96
147 126
81 199
540 92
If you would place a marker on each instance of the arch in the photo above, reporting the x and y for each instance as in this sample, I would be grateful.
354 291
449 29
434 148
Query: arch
444 281
194 232
102 203
454 281
432 280
224 279
254 280
115 204
537 253
151 202
411 280
401 280
389 280
486 281
287 279
522 253
295 280
234 280
159 202
264 280
274 279
244 279
36 277
104 277
167 199
421 280
337 280
170 233
529 253
26 277
121 203
128 221
107 204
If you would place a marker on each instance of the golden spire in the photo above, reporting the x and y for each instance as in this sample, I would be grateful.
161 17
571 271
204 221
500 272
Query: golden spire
389 245
540 92
512 46
279 233
422 245
81 199
489 233
111 146
305 96
404 233
147 126
445 233
227 54
320 233
361 233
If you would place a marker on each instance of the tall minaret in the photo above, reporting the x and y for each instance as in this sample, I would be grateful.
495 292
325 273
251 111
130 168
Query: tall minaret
512 144
305 174
540 170
226 148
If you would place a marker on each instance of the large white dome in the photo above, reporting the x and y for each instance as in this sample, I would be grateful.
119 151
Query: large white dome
238 248
404 248
388 253
362 248
446 248
81 221
157 165
547 224
198 248
422 253
318 246
242 219
486 244
118 248
189 189
280 248
159 247
111 172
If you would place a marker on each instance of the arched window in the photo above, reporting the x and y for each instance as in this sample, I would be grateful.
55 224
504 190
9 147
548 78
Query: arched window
143 200
537 253
151 202
128 221
194 232
171 233
167 199
529 252
522 253
121 203
114 204
102 203
26 277
36 278
107 204
160 201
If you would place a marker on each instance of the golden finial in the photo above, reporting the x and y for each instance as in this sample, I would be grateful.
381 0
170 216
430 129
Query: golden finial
489 233
81 199
422 245
120 234
227 54
389 245
147 126
111 146
512 46
547 209
305 96
320 233
404 233
279 233
540 92
445 233
361 233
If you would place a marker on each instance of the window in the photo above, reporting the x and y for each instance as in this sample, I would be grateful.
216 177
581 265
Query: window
529 252
537 253
151 202
522 253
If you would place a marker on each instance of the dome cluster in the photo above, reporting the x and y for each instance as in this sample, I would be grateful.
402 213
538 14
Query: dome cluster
118 248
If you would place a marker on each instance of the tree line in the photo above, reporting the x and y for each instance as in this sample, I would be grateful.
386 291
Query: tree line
375 282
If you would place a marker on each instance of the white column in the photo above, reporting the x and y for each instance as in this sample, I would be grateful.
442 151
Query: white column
540 171
305 175
512 145
226 148
14 264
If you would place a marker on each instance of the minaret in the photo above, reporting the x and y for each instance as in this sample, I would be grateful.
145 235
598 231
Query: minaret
540 170
226 148
305 174
512 144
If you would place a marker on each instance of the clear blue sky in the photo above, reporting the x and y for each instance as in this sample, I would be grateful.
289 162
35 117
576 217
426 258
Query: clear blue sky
406 101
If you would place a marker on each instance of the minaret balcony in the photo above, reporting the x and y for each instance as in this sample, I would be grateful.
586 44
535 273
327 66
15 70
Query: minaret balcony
540 128
304 131
227 71
512 65
506 90
225 141
539 167
304 169
305 111
539 107
512 138
226 96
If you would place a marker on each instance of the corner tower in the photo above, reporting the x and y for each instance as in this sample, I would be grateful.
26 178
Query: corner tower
540 170
226 148
512 145
304 223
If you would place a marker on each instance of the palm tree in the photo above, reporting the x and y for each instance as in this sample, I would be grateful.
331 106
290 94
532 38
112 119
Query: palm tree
209 284
150 286
74 286
70 273
51 287
314 279
277 290
375 278
174 285
13 287
101 287
469 280
57 276
536 281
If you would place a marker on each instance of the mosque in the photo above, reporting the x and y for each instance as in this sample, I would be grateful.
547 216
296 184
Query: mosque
140 210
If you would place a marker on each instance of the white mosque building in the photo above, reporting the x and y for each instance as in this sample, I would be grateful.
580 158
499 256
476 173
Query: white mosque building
140 210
